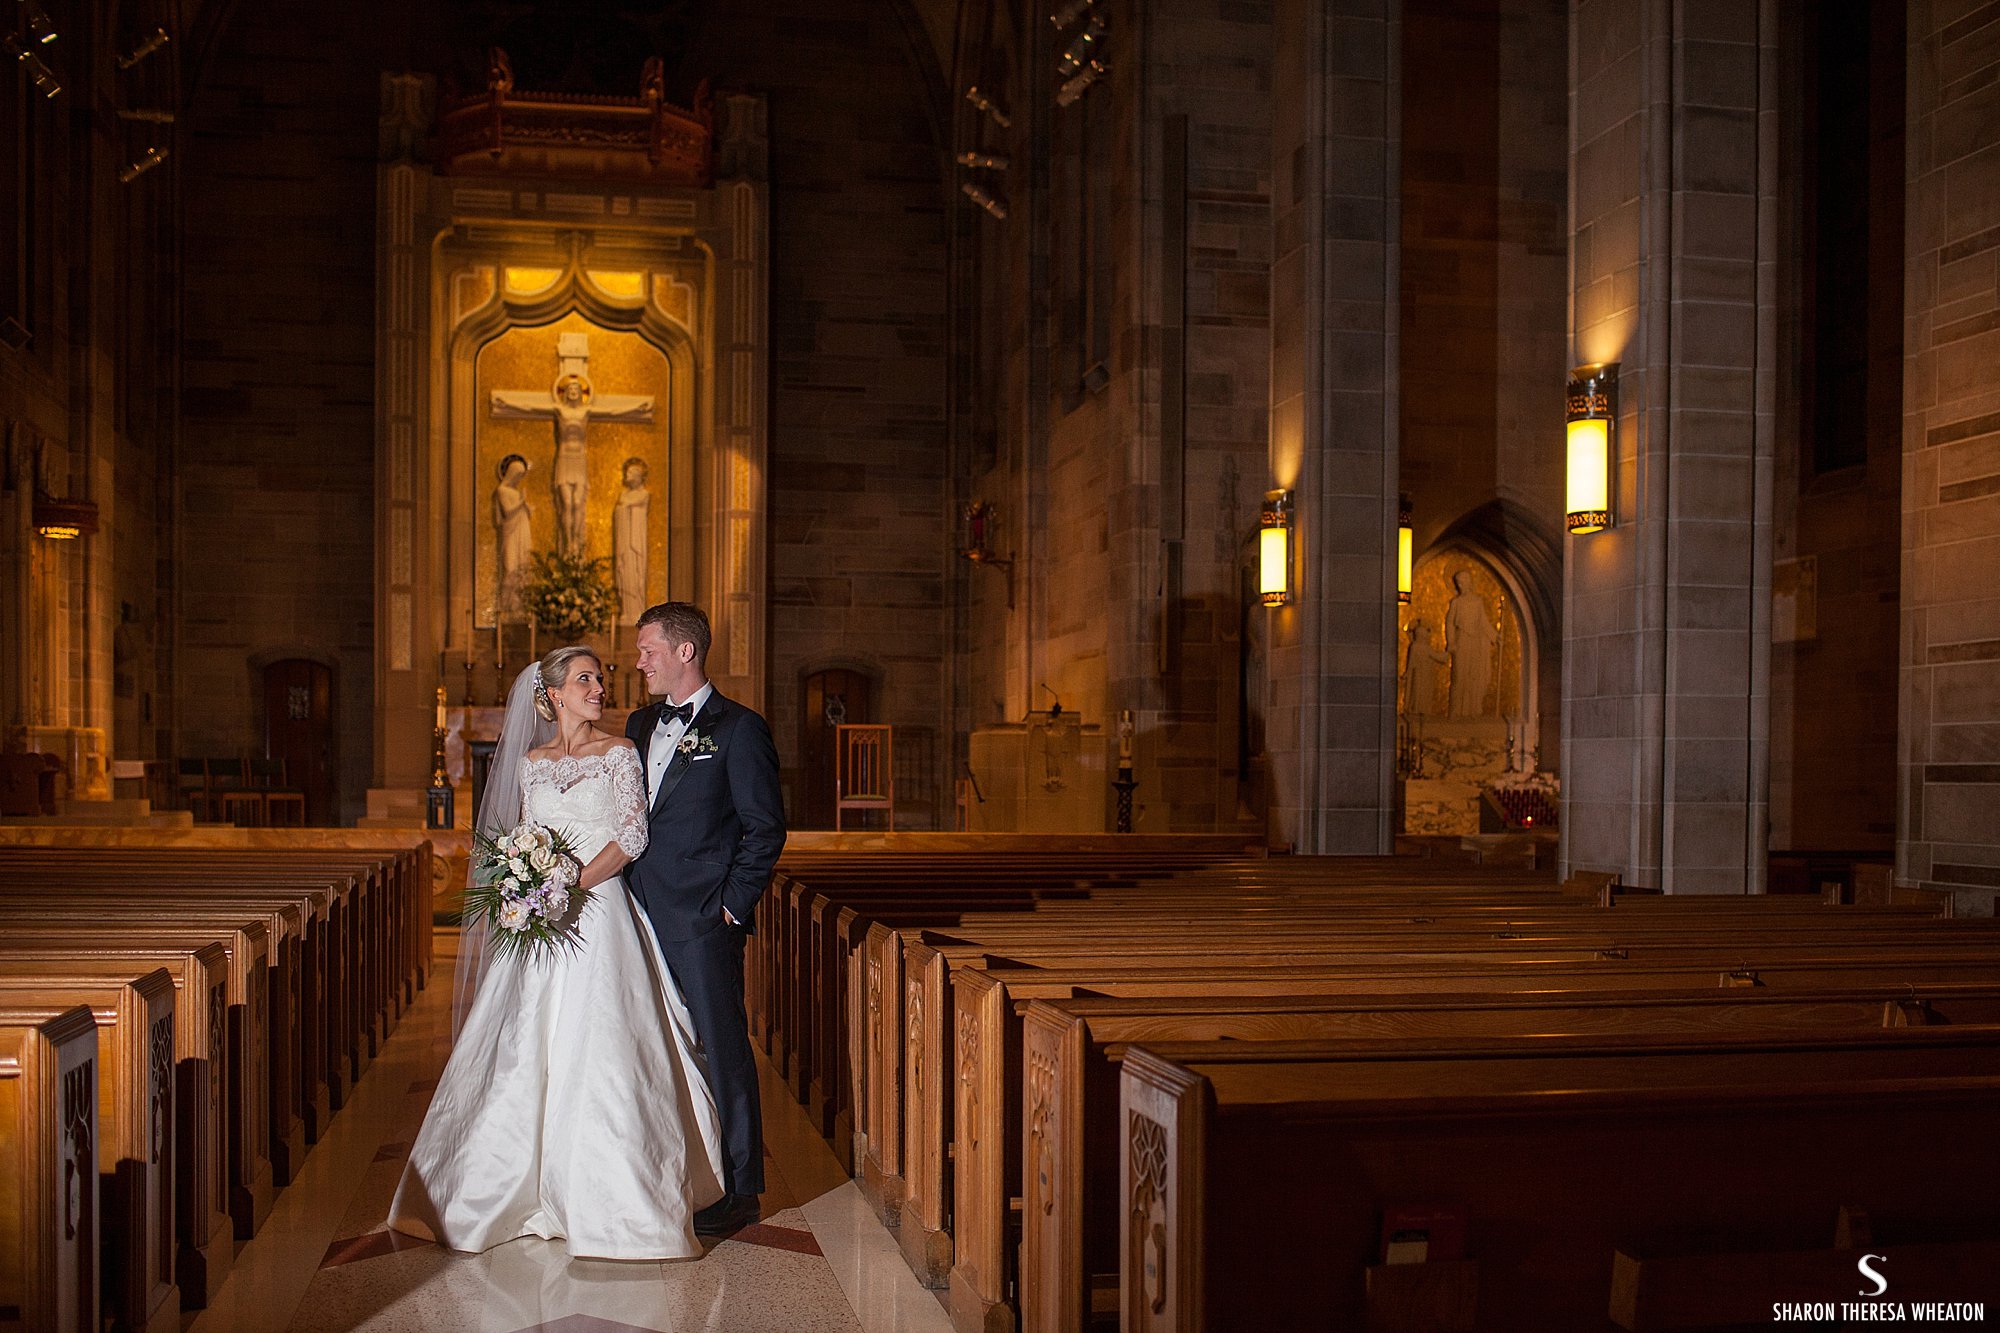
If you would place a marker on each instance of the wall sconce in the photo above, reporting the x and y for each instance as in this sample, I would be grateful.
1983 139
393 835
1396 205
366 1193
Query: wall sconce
1274 548
64 520
1405 549
1591 413
978 549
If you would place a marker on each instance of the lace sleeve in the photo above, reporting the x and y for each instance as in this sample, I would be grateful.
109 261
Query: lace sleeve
628 789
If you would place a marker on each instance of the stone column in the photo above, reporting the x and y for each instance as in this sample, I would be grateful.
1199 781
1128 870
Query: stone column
1666 637
1335 212
1948 834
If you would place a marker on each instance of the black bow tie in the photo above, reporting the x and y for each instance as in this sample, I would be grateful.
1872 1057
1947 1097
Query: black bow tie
668 712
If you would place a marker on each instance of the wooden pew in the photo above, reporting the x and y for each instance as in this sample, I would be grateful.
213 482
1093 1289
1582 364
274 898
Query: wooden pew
256 1082
203 1229
294 1019
1071 1049
135 1120
409 853
48 1128
1558 1153
332 951
967 1041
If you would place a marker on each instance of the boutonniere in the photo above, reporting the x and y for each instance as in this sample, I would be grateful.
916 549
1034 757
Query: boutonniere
696 743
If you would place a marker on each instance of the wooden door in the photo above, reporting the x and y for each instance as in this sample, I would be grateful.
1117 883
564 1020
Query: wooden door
298 728
827 699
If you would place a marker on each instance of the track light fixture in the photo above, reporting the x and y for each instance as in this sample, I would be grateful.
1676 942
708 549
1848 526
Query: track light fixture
147 160
989 161
1078 53
1078 85
152 43
39 26
1070 13
997 207
45 80
986 104
151 115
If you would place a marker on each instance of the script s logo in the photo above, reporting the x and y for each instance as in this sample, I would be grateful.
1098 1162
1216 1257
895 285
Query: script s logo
1868 1271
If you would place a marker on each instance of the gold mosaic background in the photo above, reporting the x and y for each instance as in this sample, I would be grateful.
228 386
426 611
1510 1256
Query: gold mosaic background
1431 593
620 363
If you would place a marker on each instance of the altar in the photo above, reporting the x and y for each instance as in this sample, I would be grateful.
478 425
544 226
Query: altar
572 367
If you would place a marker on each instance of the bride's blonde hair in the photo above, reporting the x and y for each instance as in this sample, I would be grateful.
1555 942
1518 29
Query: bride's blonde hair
552 672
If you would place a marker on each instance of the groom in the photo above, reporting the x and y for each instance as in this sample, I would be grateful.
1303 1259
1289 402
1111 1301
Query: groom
717 824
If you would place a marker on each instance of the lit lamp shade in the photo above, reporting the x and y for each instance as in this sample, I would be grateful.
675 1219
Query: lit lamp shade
64 520
1592 407
1274 549
1405 549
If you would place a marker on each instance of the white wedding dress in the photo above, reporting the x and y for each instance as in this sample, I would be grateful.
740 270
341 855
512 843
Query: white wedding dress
574 1105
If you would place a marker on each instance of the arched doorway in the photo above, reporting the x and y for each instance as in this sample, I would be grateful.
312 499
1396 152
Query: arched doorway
298 729
827 698
1466 697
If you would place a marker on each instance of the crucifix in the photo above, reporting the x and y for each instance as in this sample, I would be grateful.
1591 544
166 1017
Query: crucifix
572 405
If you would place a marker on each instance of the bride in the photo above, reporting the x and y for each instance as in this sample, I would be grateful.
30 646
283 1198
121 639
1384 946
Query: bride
574 1104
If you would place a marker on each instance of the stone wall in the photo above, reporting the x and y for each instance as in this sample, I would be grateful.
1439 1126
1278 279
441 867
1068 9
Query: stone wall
278 473
1949 760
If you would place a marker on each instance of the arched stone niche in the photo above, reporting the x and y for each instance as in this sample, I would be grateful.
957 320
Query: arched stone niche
675 275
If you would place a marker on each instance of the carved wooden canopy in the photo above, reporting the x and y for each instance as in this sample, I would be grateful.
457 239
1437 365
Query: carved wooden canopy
505 130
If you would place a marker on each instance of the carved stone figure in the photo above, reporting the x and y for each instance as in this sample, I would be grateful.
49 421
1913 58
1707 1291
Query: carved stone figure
572 405
628 541
514 537
1469 640
1421 660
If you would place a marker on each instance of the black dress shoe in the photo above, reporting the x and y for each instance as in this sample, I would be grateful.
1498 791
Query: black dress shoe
726 1214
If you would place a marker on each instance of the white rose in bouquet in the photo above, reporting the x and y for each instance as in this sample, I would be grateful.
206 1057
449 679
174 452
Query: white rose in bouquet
513 915
542 859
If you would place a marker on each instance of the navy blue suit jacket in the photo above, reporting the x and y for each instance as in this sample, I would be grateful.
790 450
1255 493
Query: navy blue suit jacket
716 825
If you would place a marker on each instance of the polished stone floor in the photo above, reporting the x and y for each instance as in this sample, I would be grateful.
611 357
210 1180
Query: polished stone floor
325 1261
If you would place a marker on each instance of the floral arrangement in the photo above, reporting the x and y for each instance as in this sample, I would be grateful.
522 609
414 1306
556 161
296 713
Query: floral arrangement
570 596
525 885
696 743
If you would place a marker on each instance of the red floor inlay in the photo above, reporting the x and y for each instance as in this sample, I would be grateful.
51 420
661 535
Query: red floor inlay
371 1246
776 1238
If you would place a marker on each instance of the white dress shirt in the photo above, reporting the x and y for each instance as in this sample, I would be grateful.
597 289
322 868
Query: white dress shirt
667 734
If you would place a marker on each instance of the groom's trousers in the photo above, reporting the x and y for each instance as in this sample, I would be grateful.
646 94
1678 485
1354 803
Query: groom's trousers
709 971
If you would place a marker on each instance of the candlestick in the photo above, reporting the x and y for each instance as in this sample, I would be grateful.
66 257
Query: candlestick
498 626
466 699
471 622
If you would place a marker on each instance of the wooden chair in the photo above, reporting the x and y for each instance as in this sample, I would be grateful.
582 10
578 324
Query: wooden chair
191 787
268 775
241 804
864 771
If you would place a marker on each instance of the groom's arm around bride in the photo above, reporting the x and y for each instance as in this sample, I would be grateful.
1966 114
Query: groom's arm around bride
717 823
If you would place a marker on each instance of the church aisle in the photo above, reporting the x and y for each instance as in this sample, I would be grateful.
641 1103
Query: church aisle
325 1262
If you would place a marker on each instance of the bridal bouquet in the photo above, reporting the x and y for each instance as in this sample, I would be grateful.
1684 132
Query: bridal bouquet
525 885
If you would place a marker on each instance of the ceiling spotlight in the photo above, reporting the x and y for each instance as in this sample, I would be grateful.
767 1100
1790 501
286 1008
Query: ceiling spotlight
147 160
985 103
991 161
1070 13
45 80
986 201
1080 83
145 48
39 26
